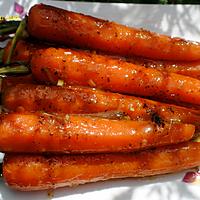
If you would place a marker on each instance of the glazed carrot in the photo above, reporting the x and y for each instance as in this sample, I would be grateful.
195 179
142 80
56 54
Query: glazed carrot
22 51
21 56
191 69
61 26
37 172
117 115
81 68
14 80
41 132
25 49
71 99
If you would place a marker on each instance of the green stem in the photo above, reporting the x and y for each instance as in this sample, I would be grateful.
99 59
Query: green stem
8 27
8 30
1 55
18 35
197 139
20 69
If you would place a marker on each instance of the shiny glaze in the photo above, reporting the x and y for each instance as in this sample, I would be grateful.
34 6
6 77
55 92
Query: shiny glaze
41 132
25 49
11 81
74 29
191 69
72 99
22 52
37 172
81 68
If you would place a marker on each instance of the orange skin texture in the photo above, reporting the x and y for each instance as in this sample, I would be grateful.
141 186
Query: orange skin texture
22 56
37 172
12 81
25 49
22 52
37 132
82 68
73 29
191 69
80 100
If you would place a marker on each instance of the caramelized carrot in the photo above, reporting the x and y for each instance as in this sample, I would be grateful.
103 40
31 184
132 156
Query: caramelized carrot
81 68
14 80
71 99
21 56
38 172
37 132
22 52
25 49
61 26
117 115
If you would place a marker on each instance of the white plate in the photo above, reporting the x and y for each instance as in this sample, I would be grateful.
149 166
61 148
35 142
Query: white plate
178 20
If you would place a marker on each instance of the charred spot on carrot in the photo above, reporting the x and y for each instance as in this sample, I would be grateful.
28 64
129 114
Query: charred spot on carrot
157 119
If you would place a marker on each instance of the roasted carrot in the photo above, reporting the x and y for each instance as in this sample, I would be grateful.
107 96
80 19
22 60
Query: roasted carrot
25 49
14 80
81 68
41 132
69 99
191 69
21 52
38 172
61 26
117 115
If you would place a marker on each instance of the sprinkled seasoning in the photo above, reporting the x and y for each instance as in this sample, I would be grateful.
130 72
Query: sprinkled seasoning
197 139
50 194
157 119
60 83
175 120
48 74
91 83
138 103
67 117
131 108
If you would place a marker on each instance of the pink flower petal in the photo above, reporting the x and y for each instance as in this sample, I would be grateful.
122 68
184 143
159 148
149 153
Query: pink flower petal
18 8
190 177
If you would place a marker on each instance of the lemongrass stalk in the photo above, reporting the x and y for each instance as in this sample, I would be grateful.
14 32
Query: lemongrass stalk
19 69
18 35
